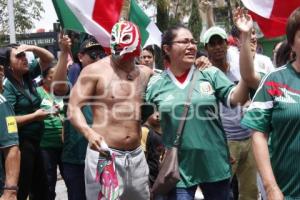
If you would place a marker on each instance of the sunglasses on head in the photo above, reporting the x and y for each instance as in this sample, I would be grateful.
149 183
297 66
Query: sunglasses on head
20 55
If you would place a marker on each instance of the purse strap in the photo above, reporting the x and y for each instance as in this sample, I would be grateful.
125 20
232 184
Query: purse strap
187 106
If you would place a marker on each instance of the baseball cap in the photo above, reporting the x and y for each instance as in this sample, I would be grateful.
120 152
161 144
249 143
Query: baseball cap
215 30
88 44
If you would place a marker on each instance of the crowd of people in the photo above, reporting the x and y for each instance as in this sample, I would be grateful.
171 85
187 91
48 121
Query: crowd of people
88 115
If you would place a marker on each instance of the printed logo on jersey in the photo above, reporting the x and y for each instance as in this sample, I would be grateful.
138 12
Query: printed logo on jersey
11 124
206 88
169 97
282 92
46 102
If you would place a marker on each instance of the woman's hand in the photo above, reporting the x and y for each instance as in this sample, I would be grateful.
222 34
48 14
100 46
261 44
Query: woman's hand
242 20
25 47
274 193
202 63
205 5
41 114
64 43
9 195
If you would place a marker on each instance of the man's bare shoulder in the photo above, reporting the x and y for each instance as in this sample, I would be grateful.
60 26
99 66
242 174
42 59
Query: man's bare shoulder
101 67
146 70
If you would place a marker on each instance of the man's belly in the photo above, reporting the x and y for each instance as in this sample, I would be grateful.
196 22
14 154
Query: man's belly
123 135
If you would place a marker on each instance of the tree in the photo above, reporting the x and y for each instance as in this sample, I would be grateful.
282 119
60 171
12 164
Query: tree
195 22
26 11
162 16
169 12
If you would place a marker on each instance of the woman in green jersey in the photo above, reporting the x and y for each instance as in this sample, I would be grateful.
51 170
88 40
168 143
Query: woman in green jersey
51 142
21 93
274 117
203 153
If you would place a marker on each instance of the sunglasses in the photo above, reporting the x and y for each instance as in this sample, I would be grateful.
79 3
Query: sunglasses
21 55
94 54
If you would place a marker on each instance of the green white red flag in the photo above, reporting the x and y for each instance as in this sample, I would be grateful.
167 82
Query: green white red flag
97 17
271 15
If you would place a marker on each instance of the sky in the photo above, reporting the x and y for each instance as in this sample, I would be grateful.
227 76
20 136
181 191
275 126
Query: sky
48 17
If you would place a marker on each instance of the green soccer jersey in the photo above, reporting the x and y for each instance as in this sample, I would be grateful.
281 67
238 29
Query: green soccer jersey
275 110
203 153
53 123
8 132
75 144
8 124
25 102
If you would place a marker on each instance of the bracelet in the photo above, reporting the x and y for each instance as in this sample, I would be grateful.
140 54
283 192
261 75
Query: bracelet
12 187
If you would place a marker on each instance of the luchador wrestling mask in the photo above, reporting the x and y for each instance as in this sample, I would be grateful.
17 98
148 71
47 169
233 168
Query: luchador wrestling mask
125 41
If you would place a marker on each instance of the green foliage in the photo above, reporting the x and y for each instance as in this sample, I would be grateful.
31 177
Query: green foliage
26 11
195 22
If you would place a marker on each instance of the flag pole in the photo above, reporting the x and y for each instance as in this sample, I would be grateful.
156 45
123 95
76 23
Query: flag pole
125 10
11 21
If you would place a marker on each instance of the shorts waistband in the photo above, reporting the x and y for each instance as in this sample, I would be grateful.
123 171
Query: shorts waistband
136 151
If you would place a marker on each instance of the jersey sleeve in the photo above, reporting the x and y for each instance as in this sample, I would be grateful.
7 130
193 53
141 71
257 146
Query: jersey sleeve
259 113
8 125
9 93
222 85
150 104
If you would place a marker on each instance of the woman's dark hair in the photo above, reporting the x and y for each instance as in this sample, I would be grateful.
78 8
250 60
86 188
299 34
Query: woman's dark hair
284 54
51 65
168 37
46 72
293 25
150 49
8 72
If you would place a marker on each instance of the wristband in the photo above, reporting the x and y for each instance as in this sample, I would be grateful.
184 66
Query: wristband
12 187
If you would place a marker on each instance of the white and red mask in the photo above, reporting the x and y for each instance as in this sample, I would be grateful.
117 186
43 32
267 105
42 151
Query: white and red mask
125 41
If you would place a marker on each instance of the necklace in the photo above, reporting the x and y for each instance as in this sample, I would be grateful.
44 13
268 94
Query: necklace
130 76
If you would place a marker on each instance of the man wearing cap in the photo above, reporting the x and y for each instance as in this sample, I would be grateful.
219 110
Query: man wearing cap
115 93
239 140
74 146
89 52
9 146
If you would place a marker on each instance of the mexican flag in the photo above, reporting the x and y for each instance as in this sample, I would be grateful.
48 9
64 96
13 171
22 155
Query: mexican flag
97 17
271 15
149 31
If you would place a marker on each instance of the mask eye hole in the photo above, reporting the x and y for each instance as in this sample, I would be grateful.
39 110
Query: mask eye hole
126 38
113 38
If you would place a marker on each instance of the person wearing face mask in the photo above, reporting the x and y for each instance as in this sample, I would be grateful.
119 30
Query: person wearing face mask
115 94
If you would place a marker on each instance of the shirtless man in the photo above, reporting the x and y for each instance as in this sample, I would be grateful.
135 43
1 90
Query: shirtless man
114 88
